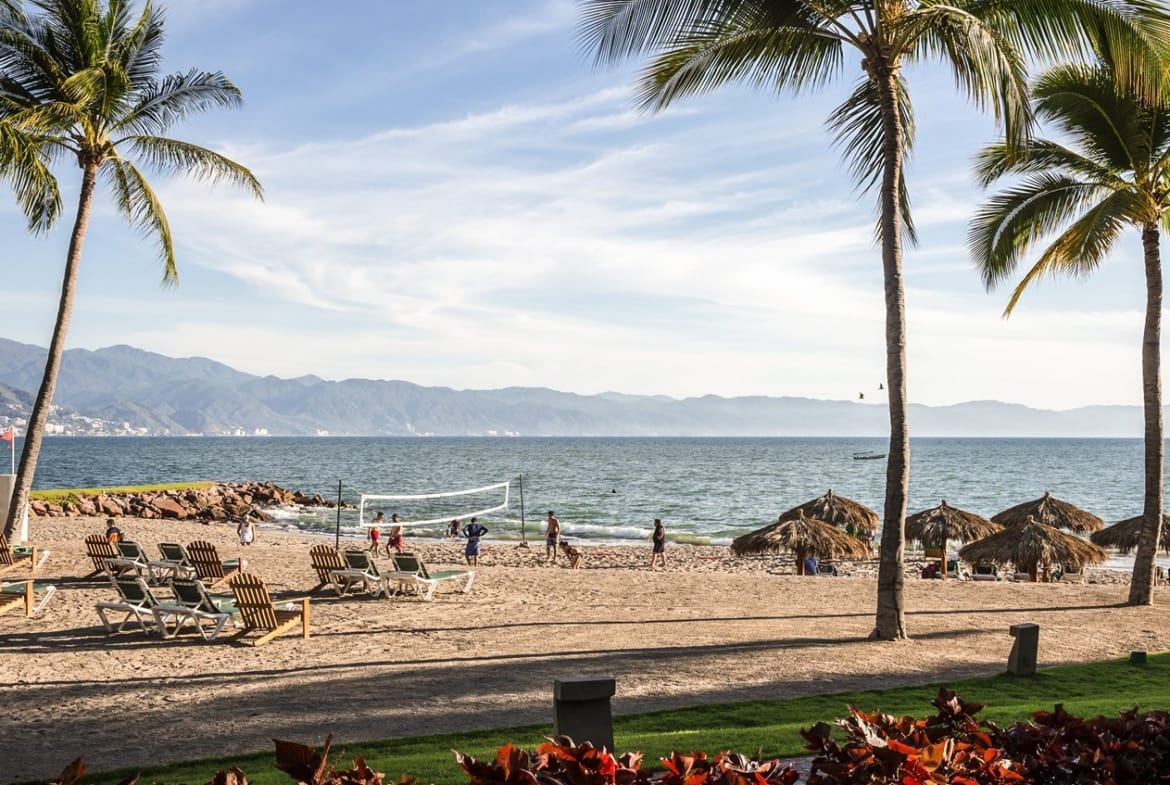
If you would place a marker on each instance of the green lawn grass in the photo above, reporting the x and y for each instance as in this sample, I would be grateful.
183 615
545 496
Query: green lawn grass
771 726
57 496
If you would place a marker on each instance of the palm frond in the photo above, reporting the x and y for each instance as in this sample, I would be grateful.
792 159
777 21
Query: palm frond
24 164
160 106
1042 155
617 29
859 133
171 156
986 67
1079 250
1007 226
138 203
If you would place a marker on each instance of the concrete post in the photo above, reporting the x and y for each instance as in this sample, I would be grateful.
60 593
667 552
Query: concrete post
581 709
1022 660
7 488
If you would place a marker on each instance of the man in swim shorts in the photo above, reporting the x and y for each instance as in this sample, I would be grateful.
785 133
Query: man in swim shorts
552 535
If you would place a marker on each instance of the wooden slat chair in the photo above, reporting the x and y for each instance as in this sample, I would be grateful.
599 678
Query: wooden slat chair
209 568
259 614
14 558
98 549
23 594
325 559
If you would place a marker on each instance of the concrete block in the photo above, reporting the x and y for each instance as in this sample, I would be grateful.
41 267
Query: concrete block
1022 660
581 709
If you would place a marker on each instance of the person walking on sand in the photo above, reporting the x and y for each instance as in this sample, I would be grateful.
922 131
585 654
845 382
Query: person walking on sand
375 533
552 535
247 532
473 531
658 544
394 536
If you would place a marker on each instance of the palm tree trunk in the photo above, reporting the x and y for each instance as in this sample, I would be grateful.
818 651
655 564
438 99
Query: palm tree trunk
890 622
1141 587
35 430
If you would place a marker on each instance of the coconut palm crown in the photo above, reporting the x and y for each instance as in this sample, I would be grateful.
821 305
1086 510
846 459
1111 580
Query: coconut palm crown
1074 199
80 81
790 46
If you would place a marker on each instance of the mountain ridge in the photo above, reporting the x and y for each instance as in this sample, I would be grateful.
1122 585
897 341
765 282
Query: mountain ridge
125 390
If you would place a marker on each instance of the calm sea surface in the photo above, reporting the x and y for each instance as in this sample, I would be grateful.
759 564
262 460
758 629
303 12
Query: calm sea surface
706 490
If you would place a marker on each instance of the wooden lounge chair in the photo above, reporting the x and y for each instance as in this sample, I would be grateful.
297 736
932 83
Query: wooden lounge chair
325 559
209 568
358 569
12 558
173 564
258 613
136 600
194 605
410 574
99 549
23 594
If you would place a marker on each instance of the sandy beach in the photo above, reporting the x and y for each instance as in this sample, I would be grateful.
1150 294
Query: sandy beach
709 628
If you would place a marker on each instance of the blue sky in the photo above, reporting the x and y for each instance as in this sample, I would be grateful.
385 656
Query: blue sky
456 196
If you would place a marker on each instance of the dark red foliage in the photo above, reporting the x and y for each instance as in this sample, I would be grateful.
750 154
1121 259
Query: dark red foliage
309 767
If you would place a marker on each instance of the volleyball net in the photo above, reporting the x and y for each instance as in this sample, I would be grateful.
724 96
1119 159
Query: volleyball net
423 509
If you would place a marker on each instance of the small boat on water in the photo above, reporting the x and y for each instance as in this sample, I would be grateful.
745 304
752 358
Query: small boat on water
868 455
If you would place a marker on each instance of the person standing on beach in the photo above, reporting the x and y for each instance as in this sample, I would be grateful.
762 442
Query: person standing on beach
658 544
552 535
247 532
473 531
394 537
375 532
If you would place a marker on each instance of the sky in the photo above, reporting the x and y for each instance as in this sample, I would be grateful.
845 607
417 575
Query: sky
456 195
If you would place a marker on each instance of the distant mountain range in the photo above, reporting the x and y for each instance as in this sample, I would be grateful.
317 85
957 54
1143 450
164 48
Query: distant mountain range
122 390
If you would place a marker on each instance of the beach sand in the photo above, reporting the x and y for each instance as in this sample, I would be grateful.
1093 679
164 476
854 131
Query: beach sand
709 628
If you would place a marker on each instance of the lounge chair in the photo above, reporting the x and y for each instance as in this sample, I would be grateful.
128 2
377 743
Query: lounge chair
984 572
130 557
1068 574
325 559
209 568
12 558
173 564
99 549
193 604
410 574
23 594
359 569
258 613
137 601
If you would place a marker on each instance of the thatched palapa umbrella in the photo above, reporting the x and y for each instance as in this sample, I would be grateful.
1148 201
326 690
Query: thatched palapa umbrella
802 535
1051 511
1124 535
1031 545
837 510
942 523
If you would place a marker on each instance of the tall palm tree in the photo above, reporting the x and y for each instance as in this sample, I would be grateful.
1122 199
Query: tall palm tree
791 45
1112 175
80 80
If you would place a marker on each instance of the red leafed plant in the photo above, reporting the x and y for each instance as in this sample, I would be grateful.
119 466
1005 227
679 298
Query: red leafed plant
556 762
729 768
309 767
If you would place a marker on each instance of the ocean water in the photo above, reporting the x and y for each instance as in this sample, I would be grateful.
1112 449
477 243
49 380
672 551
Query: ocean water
707 490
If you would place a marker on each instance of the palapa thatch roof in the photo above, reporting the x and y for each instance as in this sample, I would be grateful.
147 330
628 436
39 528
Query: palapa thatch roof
944 522
803 535
1033 543
1051 511
1123 535
836 510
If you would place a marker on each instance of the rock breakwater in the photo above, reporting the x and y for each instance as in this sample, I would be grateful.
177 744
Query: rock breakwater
218 502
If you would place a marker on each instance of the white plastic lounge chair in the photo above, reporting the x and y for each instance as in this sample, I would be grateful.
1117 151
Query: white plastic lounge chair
984 572
359 569
173 564
23 594
131 558
193 604
411 575
136 601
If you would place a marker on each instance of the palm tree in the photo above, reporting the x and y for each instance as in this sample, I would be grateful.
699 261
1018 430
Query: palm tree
1114 174
794 45
79 79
